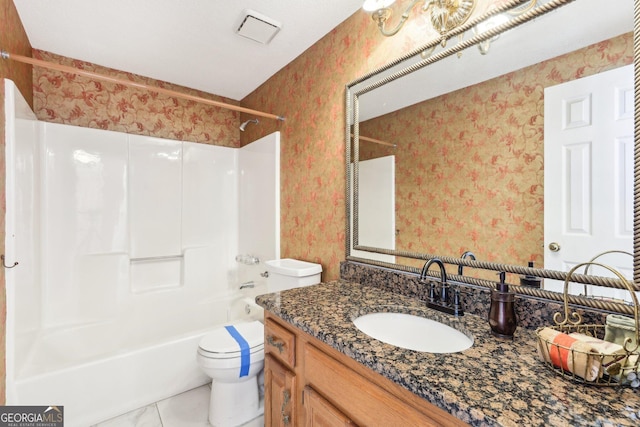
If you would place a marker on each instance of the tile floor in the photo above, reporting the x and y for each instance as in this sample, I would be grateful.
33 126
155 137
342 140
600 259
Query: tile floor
188 409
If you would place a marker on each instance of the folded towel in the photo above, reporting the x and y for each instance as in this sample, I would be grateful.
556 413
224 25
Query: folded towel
618 328
613 356
598 345
568 353
580 354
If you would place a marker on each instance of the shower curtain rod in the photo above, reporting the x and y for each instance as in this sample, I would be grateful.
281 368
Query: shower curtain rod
72 70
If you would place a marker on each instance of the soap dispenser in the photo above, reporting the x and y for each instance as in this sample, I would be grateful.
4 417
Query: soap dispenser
502 314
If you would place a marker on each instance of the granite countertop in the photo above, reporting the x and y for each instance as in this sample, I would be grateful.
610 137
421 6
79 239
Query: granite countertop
494 383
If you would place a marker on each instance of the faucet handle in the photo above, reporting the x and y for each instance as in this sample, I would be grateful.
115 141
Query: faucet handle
248 259
249 284
432 291
457 304
456 296
444 293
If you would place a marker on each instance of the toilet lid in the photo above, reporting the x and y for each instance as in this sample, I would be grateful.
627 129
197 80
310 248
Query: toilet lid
221 341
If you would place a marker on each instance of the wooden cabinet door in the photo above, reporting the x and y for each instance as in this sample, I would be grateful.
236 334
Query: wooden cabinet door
279 387
321 413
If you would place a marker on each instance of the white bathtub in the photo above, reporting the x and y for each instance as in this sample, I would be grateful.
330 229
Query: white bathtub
103 370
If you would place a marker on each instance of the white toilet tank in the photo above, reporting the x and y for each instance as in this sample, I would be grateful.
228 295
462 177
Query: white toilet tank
290 273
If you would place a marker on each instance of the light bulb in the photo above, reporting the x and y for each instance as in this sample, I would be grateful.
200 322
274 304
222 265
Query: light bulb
373 5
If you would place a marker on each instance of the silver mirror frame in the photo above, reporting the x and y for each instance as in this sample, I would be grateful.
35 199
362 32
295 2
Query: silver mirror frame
355 89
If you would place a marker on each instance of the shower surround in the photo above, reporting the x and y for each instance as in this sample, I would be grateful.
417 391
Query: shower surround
126 247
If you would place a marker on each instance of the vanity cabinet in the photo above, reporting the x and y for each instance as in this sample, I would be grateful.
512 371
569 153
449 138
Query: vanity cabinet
308 383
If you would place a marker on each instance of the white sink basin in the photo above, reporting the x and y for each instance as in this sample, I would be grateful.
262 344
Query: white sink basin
413 332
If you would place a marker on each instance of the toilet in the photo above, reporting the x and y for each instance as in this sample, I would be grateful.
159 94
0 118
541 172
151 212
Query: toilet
233 355
233 359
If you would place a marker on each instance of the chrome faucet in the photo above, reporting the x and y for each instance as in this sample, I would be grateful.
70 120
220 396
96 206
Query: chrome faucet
467 254
442 303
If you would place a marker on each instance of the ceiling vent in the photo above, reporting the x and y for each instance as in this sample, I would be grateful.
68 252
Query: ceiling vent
256 26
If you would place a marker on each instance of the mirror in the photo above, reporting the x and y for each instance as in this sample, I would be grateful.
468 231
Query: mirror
469 137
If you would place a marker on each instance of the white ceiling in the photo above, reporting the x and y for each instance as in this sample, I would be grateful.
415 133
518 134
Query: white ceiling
187 42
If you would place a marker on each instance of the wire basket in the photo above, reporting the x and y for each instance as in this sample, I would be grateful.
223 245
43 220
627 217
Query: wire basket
579 352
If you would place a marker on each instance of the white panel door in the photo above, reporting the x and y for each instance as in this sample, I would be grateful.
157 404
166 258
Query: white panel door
589 174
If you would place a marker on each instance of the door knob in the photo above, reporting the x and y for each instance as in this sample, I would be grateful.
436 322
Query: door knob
554 247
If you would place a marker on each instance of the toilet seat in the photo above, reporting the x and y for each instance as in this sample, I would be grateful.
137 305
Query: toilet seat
219 344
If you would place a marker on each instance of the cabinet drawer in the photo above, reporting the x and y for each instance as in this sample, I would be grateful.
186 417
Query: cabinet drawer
280 343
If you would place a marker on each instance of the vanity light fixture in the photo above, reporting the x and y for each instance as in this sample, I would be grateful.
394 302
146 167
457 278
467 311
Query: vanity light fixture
445 14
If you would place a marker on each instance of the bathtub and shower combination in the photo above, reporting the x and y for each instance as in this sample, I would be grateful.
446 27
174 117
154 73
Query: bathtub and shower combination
126 248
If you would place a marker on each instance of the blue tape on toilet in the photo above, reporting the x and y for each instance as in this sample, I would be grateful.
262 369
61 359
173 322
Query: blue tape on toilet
245 351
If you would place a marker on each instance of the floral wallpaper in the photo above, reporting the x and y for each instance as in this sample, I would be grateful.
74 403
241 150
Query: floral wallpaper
14 40
469 166
80 101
